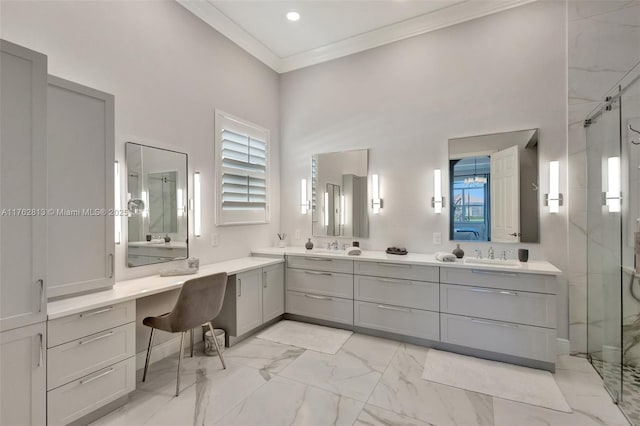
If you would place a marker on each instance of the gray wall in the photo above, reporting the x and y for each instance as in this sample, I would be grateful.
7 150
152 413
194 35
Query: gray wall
404 101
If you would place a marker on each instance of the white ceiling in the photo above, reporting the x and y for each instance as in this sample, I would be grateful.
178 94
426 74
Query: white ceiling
330 29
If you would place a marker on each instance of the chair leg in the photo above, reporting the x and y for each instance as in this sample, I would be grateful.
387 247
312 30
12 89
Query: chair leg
215 342
191 342
146 363
180 362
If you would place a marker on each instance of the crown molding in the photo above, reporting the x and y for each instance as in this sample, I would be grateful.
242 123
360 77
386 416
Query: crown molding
422 24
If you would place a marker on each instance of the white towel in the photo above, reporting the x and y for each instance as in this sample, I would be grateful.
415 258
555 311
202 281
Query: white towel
443 256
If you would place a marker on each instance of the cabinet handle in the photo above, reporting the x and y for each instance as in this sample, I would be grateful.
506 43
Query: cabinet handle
91 314
311 296
393 265
42 301
112 265
41 349
264 280
387 280
239 287
318 259
84 382
393 308
317 273
486 290
102 336
501 324
504 274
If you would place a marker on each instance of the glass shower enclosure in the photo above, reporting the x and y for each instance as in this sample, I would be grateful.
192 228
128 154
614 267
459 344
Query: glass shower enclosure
613 218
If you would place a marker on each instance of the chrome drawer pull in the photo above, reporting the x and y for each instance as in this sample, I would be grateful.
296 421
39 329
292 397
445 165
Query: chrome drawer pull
393 308
486 290
311 296
101 311
40 354
42 300
394 265
500 273
102 336
387 280
318 259
84 382
501 324
318 273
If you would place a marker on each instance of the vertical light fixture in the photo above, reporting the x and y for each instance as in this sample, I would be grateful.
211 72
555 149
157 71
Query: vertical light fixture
305 203
117 202
145 199
180 202
554 198
342 214
197 214
613 196
437 201
326 209
376 201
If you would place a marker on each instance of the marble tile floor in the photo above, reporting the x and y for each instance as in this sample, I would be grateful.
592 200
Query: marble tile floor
370 381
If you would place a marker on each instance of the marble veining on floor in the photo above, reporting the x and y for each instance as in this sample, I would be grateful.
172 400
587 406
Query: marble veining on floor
369 381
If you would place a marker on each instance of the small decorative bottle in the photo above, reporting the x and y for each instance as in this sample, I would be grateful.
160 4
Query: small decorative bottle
458 252
308 245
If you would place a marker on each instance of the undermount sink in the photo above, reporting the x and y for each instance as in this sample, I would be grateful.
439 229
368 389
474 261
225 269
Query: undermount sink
509 263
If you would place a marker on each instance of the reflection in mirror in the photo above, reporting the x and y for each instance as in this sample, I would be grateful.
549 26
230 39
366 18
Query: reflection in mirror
494 187
156 197
339 194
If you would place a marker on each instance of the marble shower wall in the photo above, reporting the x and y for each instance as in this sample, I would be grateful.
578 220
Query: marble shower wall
603 45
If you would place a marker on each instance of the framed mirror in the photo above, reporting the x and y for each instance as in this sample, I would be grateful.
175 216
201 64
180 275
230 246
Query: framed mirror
339 194
493 187
156 199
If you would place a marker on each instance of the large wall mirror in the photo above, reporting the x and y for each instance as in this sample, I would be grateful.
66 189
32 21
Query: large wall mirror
156 200
494 187
339 194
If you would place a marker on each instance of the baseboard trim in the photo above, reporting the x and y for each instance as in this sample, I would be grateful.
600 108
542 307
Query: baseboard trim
563 347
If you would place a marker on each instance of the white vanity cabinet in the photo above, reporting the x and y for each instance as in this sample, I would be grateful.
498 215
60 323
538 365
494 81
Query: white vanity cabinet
321 288
23 198
90 361
248 301
80 167
23 376
272 292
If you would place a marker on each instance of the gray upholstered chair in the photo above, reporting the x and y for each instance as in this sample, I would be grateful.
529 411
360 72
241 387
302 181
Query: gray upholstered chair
199 302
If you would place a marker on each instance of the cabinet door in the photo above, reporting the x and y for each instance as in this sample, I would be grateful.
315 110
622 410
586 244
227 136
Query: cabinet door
272 292
80 241
23 103
249 300
23 376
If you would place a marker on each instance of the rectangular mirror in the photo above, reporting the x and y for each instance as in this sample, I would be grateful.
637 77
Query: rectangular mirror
339 194
156 200
494 187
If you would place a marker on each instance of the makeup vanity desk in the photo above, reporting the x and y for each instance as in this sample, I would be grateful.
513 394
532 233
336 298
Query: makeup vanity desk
91 338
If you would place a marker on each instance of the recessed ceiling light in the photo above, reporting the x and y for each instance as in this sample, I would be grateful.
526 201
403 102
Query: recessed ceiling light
293 16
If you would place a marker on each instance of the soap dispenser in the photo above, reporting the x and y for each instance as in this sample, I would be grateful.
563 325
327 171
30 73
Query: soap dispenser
458 252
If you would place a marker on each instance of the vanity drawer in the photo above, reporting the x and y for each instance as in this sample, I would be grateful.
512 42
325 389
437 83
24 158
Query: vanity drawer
73 327
512 339
80 357
406 321
80 397
505 305
510 280
326 283
414 294
320 263
321 307
397 270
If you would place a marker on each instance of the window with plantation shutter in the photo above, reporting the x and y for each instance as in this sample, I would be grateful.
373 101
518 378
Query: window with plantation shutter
242 151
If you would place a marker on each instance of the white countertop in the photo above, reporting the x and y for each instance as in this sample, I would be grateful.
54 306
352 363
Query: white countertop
124 291
170 244
531 267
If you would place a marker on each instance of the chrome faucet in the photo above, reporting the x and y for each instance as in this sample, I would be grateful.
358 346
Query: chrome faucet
478 254
335 245
504 255
490 254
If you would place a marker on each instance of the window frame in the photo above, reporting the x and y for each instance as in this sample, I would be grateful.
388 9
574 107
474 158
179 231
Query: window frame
236 124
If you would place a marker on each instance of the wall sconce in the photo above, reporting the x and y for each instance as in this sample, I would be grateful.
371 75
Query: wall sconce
613 197
554 198
117 203
145 203
305 203
180 202
326 209
197 214
376 201
342 214
437 201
